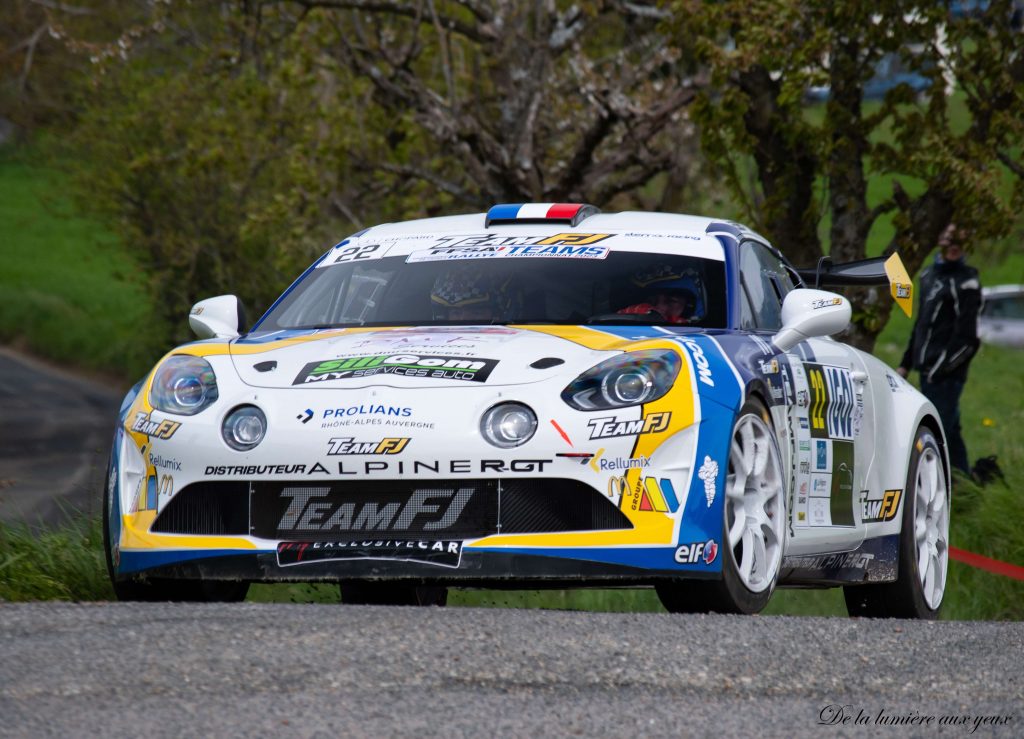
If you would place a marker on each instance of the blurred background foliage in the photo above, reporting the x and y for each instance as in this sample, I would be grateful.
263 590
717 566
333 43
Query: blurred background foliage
226 144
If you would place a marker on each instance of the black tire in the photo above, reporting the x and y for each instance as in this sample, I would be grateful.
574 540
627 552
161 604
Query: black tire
162 589
389 594
904 597
731 594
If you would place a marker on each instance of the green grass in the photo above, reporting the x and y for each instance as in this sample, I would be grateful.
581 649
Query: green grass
68 290
65 563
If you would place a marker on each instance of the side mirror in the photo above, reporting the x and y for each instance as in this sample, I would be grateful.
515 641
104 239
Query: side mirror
810 313
217 318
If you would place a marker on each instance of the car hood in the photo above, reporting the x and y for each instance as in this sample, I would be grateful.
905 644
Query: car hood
429 357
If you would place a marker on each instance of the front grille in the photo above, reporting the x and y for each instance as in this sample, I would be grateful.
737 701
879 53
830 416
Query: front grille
348 510
207 509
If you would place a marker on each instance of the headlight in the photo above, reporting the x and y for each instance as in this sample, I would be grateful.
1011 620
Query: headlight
628 379
244 427
508 425
184 385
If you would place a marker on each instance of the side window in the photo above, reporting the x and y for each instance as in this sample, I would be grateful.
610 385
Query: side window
747 320
766 283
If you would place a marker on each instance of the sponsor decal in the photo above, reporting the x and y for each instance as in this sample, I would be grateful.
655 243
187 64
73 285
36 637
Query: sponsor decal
440 552
825 303
491 246
348 445
833 402
821 484
305 415
770 367
689 554
879 510
451 466
819 511
620 463
902 291
144 424
700 361
708 472
308 512
894 386
164 463
803 401
841 561
653 495
805 467
196 310
258 469
805 445
804 423
822 455
618 489
165 491
370 415
606 427
408 365
842 493
403 467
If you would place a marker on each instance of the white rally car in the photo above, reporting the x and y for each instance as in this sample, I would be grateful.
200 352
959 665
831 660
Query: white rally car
539 395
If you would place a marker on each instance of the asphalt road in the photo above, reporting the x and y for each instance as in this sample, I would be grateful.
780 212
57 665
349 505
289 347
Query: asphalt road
320 670
55 432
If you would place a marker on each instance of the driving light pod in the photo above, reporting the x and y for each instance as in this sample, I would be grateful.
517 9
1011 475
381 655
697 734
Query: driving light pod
628 379
244 428
508 425
184 385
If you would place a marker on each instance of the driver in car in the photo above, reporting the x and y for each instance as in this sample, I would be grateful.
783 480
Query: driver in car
667 292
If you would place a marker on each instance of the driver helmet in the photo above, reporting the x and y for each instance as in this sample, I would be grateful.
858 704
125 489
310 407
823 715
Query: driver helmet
669 277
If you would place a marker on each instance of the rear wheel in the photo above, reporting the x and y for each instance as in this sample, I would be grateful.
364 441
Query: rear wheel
390 594
158 589
753 527
924 543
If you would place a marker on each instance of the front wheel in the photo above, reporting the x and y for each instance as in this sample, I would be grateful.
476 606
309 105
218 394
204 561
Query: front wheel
754 525
924 543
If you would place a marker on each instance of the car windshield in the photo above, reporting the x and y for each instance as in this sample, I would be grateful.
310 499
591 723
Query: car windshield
623 288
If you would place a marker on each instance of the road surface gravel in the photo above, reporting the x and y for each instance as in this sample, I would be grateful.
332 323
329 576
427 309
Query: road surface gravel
250 669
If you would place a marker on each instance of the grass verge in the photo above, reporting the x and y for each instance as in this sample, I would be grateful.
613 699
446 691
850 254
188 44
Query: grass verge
69 290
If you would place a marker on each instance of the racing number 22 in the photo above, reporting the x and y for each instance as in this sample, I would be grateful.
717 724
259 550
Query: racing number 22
350 253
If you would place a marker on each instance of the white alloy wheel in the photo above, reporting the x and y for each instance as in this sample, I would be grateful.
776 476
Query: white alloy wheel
931 526
754 504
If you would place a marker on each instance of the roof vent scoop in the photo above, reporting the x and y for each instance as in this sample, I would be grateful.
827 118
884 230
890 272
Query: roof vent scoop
508 213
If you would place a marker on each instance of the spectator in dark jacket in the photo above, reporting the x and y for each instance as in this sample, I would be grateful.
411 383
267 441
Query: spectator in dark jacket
945 336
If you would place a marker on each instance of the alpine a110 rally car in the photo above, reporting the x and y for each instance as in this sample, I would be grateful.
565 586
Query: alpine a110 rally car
538 396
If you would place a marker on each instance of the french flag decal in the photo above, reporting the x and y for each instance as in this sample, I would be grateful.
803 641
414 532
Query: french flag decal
571 213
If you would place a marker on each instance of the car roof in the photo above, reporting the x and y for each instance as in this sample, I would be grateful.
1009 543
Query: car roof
622 222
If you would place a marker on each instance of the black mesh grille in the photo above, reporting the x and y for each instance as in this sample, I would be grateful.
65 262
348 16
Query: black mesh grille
207 508
536 506
346 510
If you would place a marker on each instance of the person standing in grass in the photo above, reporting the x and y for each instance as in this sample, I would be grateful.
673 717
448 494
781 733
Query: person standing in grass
945 335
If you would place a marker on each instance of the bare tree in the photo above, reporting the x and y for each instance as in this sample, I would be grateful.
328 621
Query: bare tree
488 101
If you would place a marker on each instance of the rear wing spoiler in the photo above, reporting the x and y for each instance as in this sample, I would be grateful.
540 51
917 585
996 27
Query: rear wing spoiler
878 271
